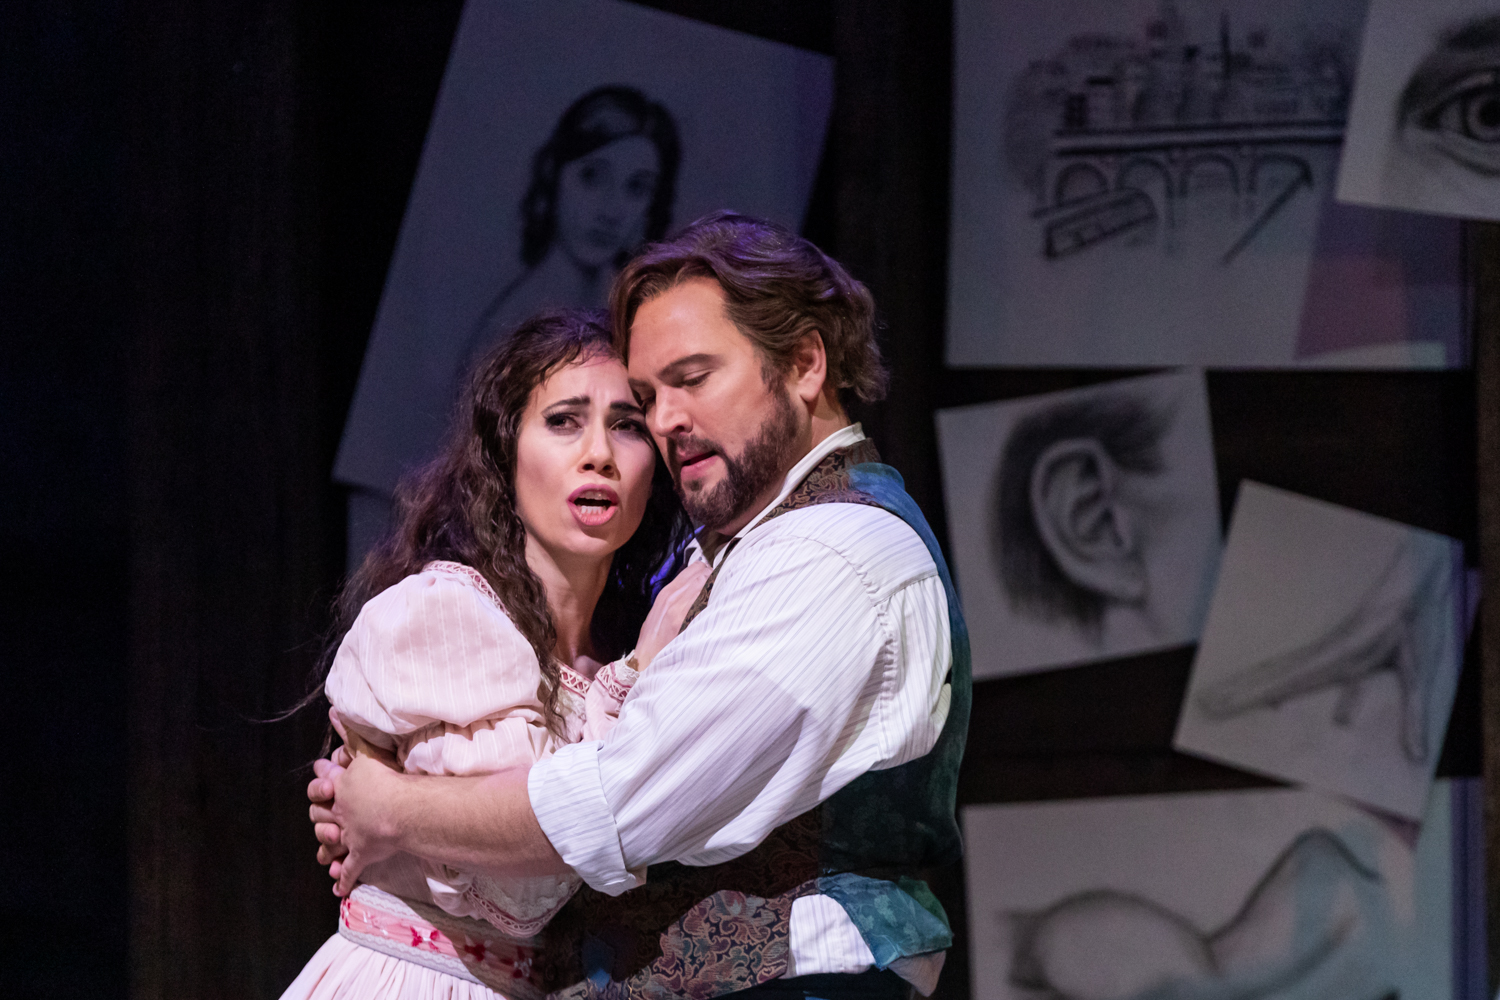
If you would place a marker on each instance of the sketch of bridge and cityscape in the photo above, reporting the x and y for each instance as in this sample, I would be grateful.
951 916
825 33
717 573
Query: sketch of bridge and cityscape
1124 137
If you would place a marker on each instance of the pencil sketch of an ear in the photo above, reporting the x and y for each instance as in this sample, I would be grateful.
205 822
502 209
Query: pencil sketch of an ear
1084 522
1065 539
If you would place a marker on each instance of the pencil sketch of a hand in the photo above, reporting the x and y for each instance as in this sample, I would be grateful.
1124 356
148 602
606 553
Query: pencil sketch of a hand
1312 928
1401 623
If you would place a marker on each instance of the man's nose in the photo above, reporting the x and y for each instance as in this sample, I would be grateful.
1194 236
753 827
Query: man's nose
667 415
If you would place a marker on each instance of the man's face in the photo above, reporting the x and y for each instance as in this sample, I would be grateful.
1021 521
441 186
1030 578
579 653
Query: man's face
728 437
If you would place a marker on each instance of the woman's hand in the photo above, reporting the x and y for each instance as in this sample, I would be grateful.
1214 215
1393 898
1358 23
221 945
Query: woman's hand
358 745
671 607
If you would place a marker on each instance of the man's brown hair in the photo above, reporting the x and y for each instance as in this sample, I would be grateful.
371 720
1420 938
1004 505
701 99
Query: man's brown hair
777 288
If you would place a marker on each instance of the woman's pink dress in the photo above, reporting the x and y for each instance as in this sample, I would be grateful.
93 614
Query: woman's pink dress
434 670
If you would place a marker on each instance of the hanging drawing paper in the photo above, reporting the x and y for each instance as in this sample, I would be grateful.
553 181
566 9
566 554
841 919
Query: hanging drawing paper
1273 893
1084 524
1149 182
1331 652
565 134
1424 131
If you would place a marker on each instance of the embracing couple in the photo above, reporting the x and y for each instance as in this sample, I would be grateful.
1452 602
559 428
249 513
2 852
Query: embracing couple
551 783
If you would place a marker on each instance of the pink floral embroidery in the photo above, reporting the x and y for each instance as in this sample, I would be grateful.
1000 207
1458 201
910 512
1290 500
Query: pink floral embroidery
490 960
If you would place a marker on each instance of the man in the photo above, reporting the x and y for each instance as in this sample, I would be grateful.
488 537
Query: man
788 762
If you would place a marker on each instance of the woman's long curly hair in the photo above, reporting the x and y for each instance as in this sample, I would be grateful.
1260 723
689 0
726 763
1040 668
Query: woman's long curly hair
462 506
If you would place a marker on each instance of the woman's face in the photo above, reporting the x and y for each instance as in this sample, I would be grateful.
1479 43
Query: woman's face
602 199
583 461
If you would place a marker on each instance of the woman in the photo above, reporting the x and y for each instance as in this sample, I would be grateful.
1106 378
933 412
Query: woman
474 639
603 183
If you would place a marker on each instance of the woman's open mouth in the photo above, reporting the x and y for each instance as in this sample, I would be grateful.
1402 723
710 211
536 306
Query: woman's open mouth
594 505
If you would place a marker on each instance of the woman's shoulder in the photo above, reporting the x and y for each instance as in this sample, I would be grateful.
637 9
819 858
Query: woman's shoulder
446 571
442 596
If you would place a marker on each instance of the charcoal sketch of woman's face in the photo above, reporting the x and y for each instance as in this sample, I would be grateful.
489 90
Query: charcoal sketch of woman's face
602 183
1448 116
603 198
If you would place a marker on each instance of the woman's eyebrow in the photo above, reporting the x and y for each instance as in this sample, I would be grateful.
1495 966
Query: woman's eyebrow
627 407
571 401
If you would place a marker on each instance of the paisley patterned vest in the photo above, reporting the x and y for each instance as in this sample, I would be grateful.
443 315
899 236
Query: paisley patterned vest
702 932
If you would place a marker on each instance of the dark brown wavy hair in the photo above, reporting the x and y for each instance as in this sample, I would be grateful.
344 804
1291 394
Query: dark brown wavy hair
462 506
778 288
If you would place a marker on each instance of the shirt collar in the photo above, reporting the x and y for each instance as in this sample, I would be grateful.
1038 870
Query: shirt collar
841 438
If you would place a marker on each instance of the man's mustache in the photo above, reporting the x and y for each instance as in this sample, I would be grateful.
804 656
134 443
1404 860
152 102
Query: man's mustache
676 446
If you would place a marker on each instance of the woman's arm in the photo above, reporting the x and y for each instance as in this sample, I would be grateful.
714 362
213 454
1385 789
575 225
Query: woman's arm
479 824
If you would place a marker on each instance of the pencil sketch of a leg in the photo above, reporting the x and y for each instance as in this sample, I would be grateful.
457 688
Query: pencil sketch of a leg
1302 933
1309 927
1398 624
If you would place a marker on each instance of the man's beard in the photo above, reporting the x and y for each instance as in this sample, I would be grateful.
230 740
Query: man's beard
764 459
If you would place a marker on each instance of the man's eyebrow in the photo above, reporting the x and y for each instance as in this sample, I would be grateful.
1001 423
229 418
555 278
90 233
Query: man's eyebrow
676 368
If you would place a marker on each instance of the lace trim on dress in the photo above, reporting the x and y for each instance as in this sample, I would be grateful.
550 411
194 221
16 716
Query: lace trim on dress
571 679
609 680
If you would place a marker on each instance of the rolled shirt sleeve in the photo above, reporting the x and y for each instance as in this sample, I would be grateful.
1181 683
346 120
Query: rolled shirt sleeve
822 655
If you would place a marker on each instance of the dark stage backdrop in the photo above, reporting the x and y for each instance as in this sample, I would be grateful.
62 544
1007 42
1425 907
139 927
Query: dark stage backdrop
199 211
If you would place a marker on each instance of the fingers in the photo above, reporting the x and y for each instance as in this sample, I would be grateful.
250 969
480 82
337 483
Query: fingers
338 724
331 858
342 757
320 815
348 876
320 790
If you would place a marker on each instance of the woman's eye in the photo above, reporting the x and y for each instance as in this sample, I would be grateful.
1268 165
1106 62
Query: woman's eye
592 174
562 421
632 427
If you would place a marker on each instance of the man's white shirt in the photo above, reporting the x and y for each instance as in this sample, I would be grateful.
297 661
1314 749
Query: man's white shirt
823 654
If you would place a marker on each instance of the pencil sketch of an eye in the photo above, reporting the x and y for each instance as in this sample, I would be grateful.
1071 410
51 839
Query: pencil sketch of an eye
1451 105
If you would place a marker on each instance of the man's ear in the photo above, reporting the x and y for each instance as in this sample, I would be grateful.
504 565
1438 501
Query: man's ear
809 371
1083 521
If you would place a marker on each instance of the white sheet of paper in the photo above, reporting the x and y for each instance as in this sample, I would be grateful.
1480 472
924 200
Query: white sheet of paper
1034 598
1125 194
1332 650
750 117
1196 861
1424 130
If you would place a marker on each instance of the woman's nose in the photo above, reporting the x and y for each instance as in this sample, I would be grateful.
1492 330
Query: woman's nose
598 452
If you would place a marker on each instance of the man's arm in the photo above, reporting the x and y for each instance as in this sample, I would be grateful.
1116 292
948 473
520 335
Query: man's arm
481 824
804 672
